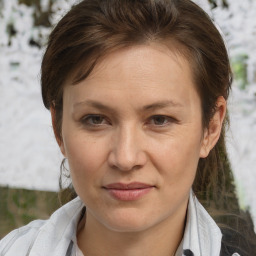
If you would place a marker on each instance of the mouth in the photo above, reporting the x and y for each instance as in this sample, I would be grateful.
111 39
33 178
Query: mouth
128 191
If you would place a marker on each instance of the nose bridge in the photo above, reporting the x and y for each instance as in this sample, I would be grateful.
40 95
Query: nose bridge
127 153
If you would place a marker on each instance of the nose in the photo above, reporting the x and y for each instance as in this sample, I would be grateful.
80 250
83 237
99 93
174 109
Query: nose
127 151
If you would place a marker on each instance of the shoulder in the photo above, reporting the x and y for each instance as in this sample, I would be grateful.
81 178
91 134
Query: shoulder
228 247
44 237
20 238
212 239
235 243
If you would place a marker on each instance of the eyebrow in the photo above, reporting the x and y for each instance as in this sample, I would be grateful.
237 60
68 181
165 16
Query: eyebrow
92 103
153 106
162 104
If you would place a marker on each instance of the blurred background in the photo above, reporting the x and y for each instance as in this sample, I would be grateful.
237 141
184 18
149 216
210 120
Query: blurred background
29 156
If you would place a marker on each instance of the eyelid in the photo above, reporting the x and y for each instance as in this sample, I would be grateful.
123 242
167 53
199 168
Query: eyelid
84 120
169 120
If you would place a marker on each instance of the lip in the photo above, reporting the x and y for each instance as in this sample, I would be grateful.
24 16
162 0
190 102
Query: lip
128 191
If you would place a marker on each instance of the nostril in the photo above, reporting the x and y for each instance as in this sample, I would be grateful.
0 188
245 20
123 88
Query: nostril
126 163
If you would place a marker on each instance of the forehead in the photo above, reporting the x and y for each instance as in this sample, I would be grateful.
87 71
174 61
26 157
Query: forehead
153 71
135 55
95 60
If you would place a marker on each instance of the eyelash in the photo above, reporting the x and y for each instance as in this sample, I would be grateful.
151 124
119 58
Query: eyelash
167 120
88 120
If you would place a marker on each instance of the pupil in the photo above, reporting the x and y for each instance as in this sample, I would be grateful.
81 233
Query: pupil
159 120
97 119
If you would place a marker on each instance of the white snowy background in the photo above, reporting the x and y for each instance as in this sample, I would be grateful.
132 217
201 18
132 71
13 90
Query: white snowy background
29 156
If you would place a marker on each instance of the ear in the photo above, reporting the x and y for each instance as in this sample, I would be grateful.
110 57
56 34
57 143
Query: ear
213 131
55 130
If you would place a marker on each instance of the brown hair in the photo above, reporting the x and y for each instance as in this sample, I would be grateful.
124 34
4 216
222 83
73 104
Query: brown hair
96 27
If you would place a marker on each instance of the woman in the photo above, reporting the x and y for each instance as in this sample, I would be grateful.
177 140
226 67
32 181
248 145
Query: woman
137 92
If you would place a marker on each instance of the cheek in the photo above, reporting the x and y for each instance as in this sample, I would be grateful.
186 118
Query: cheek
85 157
177 158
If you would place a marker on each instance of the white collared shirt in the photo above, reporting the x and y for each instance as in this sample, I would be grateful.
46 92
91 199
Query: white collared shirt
57 236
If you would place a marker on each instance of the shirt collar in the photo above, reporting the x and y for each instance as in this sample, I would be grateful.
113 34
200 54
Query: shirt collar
202 236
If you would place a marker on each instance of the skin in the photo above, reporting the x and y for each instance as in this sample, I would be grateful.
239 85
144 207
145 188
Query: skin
146 127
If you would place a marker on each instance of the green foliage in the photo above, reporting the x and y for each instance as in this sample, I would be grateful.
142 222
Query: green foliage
26 218
20 206
239 67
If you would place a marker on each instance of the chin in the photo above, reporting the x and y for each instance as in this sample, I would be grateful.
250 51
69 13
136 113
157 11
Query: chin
127 222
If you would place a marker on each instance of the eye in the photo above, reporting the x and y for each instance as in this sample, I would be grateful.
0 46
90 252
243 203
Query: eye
94 120
160 120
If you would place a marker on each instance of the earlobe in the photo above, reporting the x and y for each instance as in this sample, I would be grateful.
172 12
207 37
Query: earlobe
56 134
204 149
213 131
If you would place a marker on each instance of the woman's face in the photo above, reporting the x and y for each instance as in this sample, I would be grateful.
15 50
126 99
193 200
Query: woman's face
132 133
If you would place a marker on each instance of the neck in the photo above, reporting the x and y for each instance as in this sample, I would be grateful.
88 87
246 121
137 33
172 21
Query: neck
162 239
